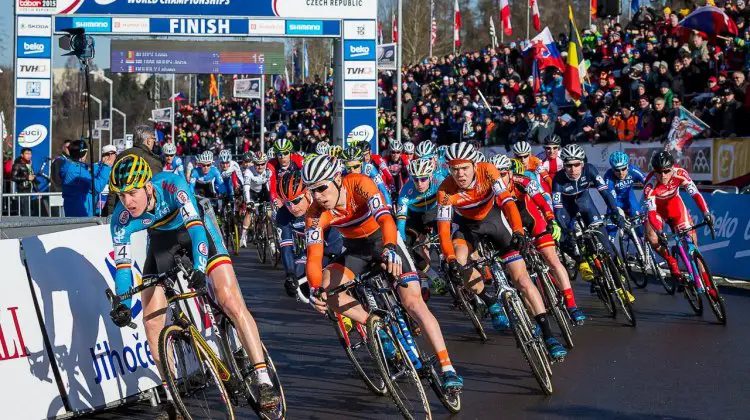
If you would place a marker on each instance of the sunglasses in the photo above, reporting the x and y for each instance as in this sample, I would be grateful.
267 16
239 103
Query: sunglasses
663 171
283 153
204 165
352 167
572 165
551 147
295 201
522 156
421 179
623 169
319 189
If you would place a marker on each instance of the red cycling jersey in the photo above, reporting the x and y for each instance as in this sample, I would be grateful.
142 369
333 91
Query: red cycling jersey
379 163
528 195
664 203
536 166
553 166
276 171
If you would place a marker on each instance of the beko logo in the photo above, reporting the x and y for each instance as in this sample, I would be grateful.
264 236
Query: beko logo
359 50
33 48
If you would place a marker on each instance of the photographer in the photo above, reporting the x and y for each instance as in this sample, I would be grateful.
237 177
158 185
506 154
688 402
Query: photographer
76 178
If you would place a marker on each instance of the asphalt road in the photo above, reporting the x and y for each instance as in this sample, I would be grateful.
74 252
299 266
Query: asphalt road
673 365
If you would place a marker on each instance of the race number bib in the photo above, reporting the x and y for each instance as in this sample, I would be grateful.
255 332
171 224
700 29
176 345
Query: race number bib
313 236
444 213
375 202
122 254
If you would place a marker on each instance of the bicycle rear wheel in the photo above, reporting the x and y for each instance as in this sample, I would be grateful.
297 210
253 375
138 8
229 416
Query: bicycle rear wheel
620 298
355 346
452 399
555 305
714 298
261 240
194 383
464 299
401 379
603 289
629 247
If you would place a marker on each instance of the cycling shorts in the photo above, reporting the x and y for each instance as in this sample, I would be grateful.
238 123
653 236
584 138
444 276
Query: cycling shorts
493 226
163 245
421 222
261 196
674 212
361 252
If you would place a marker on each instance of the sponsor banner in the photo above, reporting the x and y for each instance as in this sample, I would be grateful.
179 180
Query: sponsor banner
314 9
30 389
34 26
360 125
95 357
386 56
33 130
34 68
304 27
359 29
731 158
33 89
266 27
360 90
247 88
360 70
130 25
93 24
199 26
35 47
359 50
162 114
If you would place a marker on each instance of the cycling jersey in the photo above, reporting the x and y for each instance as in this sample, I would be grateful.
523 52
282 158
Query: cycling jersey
379 163
363 214
622 189
294 227
535 165
295 164
534 209
552 166
570 197
212 181
399 172
176 167
176 209
372 172
412 200
663 200
233 176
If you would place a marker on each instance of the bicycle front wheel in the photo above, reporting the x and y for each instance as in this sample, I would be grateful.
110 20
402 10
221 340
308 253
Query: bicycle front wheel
556 306
628 247
261 240
715 300
690 291
464 299
236 236
620 292
670 285
400 376
355 346
603 289
192 379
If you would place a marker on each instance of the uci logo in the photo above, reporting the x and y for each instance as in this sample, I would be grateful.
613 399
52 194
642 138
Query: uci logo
136 306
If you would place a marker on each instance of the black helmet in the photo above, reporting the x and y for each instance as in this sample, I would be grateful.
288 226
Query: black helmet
553 139
662 160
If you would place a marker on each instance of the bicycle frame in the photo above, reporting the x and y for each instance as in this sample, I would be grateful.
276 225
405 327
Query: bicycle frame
687 249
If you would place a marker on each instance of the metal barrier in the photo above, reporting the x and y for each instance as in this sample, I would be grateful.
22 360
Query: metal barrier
33 204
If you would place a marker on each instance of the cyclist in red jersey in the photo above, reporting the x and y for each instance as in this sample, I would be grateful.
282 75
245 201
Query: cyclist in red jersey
661 193
396 163
376 160
552 162
285 160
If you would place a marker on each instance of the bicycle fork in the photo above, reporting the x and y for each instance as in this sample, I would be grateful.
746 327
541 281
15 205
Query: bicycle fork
692 268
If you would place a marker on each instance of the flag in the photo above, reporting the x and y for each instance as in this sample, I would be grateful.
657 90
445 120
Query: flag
286 75
592 7
3 129
685 126
456 24
493 34
306 73
213 89
710 20
177 97
433 24
198 84
394 28
380 32
221 84
534 6
297 70
537 78
634 6
544 50
572 76
505 17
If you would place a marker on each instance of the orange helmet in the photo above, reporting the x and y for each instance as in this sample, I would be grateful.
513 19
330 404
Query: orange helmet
291 186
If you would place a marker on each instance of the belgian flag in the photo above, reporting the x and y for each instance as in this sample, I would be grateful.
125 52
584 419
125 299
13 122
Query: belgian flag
572 77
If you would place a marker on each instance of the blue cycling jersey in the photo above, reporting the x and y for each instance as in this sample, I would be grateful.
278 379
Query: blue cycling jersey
176 208
570 197
622 189
212 180
371 171
176 167
412 200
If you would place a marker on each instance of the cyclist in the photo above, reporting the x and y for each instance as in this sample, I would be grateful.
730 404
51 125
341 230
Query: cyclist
570 195
522 151
164 205
376 160
354 206
232 175
285 160
620 179
409 151
256 191
172 163
552 162
661 194
290 219
427 150
322 148
416 216
353 164
471 191
539 220
396 164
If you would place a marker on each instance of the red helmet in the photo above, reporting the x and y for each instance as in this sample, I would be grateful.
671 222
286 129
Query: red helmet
291 186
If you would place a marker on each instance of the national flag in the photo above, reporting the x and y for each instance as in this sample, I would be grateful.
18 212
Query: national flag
380 32
685 126
456 24
635 5
537 80
213 88
394 28
505 17
572 76
177 97
306 61
493 34
710 20
297 67
286 75
534 6
592 6
131 69
544 50
433 24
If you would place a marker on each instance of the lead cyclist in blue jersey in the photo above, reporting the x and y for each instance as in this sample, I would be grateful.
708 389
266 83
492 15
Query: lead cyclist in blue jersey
206 180
620 180
165 206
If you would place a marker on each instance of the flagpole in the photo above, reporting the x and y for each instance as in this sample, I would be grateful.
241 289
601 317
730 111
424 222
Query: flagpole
304 46
173 109
432 17
398 73
528 17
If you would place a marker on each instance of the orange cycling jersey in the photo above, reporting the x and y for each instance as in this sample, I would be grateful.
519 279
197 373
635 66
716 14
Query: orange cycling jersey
536 166
362 215
473 203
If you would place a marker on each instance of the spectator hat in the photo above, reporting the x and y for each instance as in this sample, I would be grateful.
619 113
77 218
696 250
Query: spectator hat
110 148
712 79
726 91
664 84
567 118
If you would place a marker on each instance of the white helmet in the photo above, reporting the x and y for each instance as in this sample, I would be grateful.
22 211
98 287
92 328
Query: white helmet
396 146
419 168
322 148
320 168
260 158
408 147
480 158
225 156
572 152
206 157
501 162
169 149
521 148
425 149
461 151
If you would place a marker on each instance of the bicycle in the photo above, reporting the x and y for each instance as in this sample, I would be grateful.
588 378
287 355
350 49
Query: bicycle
524 331
631 244
192 367
373 288
696 278
230 229
554 301
267 238
611 289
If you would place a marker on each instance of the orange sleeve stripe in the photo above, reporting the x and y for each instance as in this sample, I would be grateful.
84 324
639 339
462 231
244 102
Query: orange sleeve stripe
314 267
390 232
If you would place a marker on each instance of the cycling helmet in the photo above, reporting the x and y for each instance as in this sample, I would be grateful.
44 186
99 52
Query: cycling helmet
322 148
283 145
320 168
618 160
662 160
248 157
260 158
129 173
169 149
409 148
352 153
460 153
442 150
309 156
396 146
206 157
521 148
572 152
426 149
336 151
291 186
553 140
517 166
365 146
225 156
480 158
419 168
501 162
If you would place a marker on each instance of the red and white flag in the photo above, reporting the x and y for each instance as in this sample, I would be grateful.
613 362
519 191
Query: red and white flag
380 32
505 17
534 6
456 25
394 25
433 25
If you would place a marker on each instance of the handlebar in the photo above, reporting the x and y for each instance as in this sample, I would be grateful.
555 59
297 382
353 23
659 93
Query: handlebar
696 227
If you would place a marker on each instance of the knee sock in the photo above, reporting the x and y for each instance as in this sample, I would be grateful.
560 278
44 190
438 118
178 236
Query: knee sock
570 300
543 322
487 299
445 361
